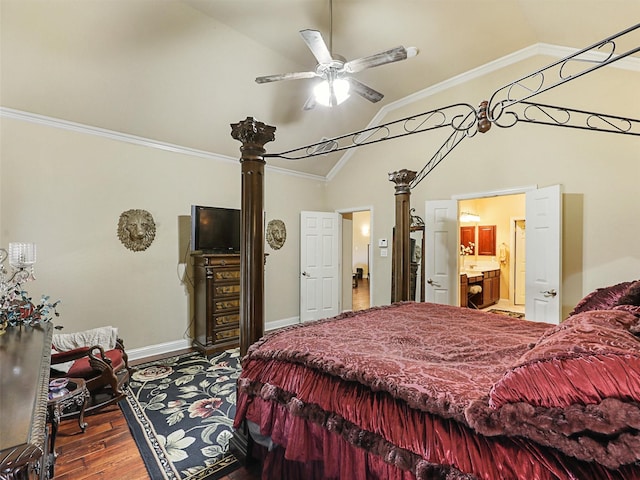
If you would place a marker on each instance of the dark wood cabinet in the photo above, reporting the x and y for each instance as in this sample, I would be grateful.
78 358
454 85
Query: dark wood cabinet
216 302
467 236
25 358
490 288
489 295
464 290
487 240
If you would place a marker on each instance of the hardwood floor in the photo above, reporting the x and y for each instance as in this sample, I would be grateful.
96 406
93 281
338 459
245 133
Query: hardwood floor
360 297
106 451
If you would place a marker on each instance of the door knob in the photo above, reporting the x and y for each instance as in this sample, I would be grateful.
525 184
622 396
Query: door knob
305 274
549 293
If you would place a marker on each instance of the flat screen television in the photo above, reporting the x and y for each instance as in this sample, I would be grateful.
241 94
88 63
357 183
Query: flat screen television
215 229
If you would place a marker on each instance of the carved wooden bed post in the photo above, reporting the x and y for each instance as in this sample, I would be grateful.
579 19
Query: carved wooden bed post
253 135
401 243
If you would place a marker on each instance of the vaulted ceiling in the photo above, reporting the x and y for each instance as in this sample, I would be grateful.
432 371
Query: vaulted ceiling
181 71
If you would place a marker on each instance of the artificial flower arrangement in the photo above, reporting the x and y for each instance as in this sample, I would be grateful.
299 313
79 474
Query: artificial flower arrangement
468 250
17 307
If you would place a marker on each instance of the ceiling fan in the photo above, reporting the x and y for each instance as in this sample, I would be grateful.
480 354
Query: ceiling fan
336 72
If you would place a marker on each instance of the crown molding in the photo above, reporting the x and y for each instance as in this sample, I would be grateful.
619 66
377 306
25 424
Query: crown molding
52 122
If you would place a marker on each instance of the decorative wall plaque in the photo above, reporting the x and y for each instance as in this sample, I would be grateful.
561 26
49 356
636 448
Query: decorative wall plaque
276 234
136 229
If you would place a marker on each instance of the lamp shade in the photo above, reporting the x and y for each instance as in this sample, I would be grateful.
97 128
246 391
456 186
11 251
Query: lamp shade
22 255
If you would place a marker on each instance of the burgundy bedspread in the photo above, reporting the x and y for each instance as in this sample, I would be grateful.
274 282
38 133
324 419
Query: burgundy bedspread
410 384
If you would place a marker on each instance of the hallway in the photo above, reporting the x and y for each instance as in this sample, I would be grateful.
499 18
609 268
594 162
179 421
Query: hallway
361 295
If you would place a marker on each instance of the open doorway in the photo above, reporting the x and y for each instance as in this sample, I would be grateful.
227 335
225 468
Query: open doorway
361 260
495 226
543 279
356 257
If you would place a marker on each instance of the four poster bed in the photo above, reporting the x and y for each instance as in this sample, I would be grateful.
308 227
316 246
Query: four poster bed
419 390
425 391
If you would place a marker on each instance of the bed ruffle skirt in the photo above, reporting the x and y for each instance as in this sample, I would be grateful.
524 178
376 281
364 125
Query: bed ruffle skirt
314 453
313 444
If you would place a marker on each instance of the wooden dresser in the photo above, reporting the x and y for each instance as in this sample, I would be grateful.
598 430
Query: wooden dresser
25 358
216 302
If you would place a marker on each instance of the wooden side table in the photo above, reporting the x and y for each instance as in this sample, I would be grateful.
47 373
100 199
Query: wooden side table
73 394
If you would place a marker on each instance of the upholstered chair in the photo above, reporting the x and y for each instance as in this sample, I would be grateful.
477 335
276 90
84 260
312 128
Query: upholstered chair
104 367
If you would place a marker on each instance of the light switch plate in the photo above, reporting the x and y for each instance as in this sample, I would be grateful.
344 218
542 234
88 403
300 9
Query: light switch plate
383 252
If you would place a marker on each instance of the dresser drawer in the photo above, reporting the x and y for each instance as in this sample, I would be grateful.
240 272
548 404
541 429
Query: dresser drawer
226 290
227 335
220 274
226 320
218 261
226 304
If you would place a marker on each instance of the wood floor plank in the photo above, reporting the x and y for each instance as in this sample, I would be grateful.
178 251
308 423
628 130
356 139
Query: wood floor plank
105 450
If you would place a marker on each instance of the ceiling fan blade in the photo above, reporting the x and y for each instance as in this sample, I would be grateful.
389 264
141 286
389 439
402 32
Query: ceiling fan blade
365 91
285 76
382 58
316 44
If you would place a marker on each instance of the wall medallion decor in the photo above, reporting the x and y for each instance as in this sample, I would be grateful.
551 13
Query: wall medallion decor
276 234
136 229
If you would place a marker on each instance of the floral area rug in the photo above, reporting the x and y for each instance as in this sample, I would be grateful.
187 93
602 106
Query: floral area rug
507 312
180 411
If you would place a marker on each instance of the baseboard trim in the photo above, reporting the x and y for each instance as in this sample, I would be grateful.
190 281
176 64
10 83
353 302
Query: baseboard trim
169 347
285 322
158 349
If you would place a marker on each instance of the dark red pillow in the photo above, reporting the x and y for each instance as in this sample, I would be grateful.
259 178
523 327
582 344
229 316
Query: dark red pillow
601 299
632 295
589 357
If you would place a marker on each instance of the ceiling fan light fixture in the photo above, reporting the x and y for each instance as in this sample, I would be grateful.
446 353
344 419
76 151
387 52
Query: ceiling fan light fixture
323 92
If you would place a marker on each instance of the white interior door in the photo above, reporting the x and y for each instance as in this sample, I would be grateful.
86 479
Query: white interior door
441 252
544 251
320 240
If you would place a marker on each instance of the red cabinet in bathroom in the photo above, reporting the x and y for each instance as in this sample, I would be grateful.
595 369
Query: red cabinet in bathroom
487 240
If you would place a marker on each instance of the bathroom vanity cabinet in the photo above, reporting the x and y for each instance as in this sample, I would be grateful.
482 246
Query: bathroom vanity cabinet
489 280
490 287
